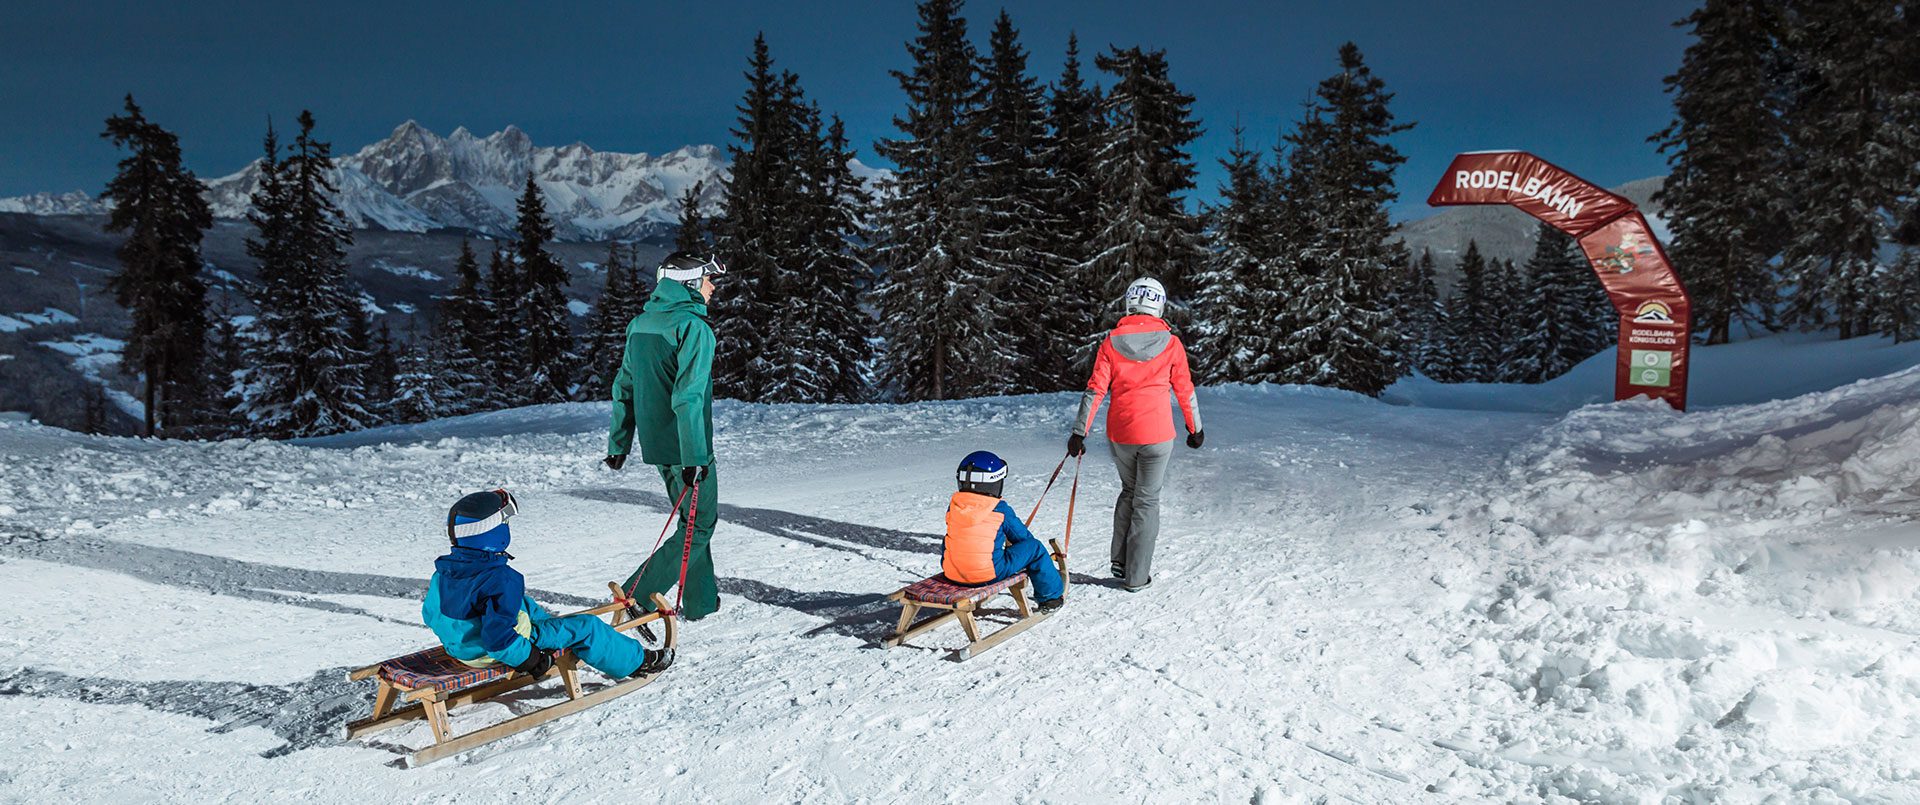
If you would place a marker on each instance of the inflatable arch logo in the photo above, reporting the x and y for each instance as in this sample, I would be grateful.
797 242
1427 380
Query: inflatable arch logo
1655 312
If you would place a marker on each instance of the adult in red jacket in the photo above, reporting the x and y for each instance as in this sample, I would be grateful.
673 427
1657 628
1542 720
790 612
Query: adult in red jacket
1140 364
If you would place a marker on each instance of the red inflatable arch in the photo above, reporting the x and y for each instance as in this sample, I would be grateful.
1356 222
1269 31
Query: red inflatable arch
1655 313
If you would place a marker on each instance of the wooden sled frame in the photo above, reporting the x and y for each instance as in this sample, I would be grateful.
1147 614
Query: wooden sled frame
432 704
963 611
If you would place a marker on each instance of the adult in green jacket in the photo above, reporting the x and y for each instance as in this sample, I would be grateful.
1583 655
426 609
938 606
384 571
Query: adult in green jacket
663 399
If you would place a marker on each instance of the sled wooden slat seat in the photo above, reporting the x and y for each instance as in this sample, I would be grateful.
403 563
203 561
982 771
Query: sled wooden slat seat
432 683
960 602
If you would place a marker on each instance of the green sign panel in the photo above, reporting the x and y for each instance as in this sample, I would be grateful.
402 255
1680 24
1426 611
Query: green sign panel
1651 367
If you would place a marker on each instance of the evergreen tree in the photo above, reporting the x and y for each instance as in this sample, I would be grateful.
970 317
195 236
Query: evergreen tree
157 205
691 235
1014 190
754 233
93 413
1561 326
383 365
1228 325
1421 314
825 309
789 323
1075 130
423 388
1727 150
937 301
1143 168
463 329
1897 301
1274 354
503 354
224 368
1471 338
306 368
1897 306
1853 127
548 322
606 340
1344 167
1509 288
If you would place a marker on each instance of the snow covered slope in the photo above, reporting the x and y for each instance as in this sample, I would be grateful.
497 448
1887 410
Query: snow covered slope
1353 601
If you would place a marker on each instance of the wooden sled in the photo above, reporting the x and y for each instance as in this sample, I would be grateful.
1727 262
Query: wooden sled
960 602
433 683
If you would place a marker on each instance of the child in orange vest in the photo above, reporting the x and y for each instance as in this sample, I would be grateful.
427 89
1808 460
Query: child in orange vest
986 541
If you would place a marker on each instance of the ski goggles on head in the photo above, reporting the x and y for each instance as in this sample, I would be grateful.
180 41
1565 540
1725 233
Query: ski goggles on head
692 274
983 476
473 528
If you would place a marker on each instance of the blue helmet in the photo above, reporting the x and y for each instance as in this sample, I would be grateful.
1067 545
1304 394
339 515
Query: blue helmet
982 473
479 520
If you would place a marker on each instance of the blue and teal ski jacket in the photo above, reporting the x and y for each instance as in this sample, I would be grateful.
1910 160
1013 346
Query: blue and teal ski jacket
478 607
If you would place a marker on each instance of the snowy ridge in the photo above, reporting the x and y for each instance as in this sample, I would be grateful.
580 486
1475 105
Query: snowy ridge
74 202
416 180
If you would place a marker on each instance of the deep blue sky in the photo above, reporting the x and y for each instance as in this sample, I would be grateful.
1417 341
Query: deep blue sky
1577 83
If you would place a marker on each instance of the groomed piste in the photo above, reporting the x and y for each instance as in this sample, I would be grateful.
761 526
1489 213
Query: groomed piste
1456 593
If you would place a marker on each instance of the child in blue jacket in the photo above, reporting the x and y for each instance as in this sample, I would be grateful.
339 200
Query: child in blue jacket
479 608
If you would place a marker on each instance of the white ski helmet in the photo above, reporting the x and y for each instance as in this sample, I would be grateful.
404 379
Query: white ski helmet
1147 296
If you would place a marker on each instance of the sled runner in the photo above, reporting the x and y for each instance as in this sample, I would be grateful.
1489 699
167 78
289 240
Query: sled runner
960 602
433 683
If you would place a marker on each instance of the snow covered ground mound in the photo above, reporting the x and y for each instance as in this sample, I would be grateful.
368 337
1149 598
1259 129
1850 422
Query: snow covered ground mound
1353 601
1715 605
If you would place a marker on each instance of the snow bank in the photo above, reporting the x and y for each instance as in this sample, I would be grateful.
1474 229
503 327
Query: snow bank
1741 373
1715 605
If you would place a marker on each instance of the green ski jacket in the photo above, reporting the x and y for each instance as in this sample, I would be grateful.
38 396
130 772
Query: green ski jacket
663 395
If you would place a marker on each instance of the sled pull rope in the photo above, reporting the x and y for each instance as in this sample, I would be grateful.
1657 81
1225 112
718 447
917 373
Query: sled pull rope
686 544
1073 497
1043 493
661 541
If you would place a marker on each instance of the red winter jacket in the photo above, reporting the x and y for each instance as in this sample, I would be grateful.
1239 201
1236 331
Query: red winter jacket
1141 362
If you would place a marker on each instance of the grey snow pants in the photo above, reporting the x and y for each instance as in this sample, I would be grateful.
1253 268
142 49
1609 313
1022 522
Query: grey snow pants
1136 516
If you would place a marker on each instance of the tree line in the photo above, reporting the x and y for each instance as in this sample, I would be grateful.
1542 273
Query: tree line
1795 166
991 259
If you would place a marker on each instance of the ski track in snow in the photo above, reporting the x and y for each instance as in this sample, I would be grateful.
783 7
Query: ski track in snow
1353 602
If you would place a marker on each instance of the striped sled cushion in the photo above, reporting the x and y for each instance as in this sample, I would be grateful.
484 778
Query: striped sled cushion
432 668
938 590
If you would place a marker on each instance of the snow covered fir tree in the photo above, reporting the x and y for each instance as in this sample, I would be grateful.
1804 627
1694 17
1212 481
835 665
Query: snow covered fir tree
307 358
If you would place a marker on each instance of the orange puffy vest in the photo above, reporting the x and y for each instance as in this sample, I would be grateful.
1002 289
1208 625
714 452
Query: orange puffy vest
973 534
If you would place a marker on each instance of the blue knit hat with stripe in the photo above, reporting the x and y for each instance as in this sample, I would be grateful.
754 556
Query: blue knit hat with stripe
479 521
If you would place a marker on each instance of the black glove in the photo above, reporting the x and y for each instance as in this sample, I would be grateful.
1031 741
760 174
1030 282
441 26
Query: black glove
691 476
616 462
536 664
1196 438
1076 446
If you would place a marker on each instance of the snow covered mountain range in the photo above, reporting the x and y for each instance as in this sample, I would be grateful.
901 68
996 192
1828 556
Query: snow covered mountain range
416 181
